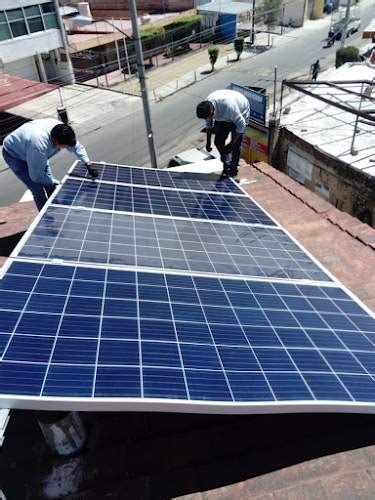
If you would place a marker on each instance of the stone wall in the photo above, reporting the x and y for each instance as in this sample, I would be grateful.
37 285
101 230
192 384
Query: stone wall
345 187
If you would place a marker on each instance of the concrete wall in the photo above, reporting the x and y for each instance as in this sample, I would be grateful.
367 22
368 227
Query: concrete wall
25 68
348 189
293 13
29 45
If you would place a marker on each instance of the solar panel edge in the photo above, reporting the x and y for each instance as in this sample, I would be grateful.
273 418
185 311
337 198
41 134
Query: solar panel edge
236 191
219 405
54 403
165 188
174 272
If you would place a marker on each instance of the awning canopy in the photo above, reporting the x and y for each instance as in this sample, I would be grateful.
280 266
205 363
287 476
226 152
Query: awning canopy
15 90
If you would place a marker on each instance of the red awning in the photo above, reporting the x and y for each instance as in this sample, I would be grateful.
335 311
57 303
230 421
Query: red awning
15 90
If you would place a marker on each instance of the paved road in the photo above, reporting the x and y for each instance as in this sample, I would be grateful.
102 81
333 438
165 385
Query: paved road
121 139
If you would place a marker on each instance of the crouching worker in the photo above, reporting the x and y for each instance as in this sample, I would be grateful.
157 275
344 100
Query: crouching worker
227 112
27 151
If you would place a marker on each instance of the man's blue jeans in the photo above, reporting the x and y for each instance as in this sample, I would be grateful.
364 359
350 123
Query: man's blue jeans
19 167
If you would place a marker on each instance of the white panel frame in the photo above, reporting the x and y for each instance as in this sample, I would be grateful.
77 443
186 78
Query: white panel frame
185 406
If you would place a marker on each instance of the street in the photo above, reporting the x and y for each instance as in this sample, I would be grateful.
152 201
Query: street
122 140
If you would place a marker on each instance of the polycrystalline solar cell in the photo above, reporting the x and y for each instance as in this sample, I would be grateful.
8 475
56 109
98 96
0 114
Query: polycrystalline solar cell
160 178
161 202
101 237
90 332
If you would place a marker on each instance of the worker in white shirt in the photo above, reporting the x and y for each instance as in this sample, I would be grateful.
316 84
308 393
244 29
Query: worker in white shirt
226 112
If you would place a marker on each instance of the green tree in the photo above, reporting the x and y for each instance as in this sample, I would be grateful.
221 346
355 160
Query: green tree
269 12
238 46
346 54
213 53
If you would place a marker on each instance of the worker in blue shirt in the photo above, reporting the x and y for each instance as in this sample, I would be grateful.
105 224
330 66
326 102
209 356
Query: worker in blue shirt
27 151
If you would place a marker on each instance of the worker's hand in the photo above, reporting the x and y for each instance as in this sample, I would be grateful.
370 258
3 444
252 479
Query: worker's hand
208 147
93 173
228 148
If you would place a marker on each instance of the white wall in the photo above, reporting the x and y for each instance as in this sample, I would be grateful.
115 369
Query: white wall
26 68
293 14
29 45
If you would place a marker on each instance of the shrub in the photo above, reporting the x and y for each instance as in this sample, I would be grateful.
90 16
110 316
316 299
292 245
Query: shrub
346 54
213 53
152 36
238 46
183 27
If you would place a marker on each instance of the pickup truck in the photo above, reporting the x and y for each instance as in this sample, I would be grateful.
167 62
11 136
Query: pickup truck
336 30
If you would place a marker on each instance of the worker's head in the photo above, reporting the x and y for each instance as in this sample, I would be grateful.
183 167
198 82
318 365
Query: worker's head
205 109
63 136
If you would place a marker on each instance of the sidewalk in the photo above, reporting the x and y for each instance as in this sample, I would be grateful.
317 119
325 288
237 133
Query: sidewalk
186 70
83 103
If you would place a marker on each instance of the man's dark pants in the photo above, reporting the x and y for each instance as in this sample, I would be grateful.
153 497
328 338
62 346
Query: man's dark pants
222 130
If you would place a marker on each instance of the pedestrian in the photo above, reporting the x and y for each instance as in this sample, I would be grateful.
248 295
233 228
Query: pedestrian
315 68
227 112
27 150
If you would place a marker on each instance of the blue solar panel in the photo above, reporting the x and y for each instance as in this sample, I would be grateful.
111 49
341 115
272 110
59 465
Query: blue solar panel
86 236
73 331
160 178
159 201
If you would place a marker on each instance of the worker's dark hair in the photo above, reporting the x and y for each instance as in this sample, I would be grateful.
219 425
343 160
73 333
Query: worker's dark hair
64 135
204 108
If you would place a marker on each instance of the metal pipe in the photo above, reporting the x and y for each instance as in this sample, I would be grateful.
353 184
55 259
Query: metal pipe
352 150
274 92
64 38
330 102
118 56
127 56
281 99
142 81
252 40
346 21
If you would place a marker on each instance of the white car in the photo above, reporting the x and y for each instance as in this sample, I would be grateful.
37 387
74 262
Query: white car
190 156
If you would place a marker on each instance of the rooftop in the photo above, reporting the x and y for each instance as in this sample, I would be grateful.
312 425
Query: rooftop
331 129
15 90
213 457
369 31
225 7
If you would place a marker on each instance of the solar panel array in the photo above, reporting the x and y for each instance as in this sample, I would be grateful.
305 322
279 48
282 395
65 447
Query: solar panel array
106 307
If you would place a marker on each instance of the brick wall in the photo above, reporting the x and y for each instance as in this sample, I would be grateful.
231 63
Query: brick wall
348 189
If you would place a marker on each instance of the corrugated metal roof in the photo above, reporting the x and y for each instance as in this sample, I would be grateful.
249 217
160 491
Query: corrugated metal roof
225 7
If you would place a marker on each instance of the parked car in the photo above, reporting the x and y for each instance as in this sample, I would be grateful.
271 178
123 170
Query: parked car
336 30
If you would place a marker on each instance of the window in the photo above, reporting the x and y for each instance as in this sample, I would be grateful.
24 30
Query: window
34 18
18 28
35 24
32 11
50 21
4 28
48 7
26 20
15 14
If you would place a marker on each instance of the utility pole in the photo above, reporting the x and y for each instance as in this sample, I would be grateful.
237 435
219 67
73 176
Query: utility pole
70 78
142 81
252 39
346 22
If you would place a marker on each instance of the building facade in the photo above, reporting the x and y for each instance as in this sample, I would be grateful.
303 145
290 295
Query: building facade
110 7
346 188
32 42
